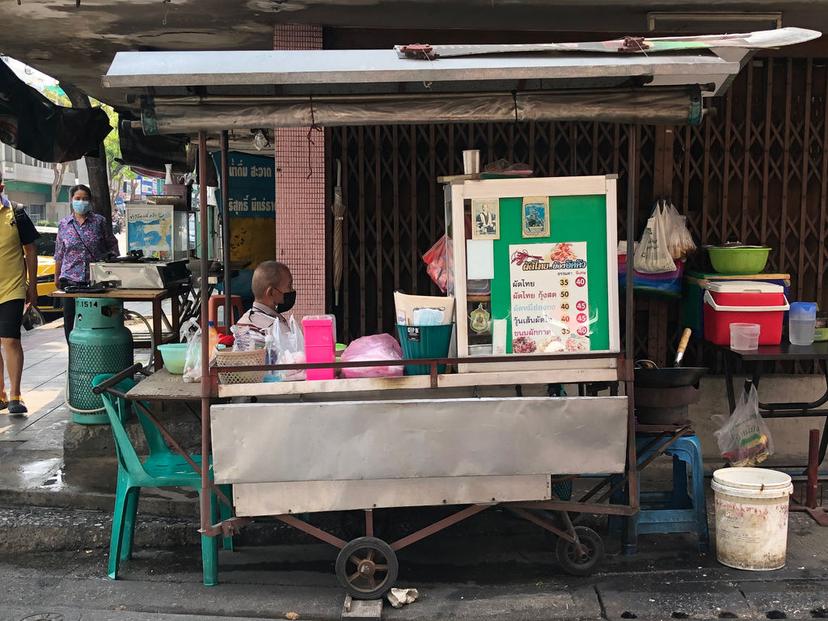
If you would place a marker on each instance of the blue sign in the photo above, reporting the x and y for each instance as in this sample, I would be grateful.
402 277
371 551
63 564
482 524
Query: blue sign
252 185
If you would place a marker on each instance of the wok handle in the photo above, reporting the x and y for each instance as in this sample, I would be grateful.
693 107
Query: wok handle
682 346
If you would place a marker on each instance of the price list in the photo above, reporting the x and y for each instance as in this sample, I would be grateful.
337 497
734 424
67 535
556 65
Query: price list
549 297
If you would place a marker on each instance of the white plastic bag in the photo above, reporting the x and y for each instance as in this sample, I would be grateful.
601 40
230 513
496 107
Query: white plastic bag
653 254
679 240
191 334
287 347
743 437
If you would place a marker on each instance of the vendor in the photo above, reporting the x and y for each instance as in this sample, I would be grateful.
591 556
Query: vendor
274 295
83 237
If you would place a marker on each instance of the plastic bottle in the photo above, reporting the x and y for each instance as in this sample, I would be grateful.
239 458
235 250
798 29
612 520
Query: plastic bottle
213 337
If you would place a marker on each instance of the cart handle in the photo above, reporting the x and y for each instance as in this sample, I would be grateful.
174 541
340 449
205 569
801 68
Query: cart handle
744 309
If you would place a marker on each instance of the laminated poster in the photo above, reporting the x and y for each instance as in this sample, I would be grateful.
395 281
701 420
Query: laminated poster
549 297
150 229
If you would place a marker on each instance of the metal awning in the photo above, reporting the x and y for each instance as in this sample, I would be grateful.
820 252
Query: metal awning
188 91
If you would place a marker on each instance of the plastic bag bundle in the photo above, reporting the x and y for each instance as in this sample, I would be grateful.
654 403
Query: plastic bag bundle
191 334
743 437
374 347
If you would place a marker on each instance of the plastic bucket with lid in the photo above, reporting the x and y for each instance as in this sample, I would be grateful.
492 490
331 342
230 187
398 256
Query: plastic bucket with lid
751 517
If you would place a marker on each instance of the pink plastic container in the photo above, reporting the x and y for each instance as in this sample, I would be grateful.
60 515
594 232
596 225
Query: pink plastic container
319 344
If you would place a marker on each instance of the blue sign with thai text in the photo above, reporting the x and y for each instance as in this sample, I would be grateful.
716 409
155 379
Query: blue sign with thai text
252 185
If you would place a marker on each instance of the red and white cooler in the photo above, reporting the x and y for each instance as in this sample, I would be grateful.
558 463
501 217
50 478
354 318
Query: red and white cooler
741 301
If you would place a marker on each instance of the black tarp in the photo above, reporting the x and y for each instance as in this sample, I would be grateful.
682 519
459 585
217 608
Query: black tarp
31 123
151 152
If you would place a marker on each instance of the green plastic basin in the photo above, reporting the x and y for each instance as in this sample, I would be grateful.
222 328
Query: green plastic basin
174 356
738 259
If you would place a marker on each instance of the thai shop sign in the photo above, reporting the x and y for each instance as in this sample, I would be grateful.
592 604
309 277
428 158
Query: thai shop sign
252 185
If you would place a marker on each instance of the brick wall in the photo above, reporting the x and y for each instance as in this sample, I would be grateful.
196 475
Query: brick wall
300 201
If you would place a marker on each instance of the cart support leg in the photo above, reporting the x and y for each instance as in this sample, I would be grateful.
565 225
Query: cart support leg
369 522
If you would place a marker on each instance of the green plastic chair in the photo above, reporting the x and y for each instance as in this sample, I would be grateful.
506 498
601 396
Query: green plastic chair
161 468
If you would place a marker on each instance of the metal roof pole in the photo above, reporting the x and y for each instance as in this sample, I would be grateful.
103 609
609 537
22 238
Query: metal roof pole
225 226
204 497
629 317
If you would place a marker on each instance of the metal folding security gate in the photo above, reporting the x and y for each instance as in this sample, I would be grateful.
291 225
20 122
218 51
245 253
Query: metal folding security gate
756 170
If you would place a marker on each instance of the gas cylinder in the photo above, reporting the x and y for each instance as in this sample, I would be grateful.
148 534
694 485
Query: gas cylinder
99 343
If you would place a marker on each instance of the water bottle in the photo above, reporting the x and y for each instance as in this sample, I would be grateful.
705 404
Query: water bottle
802 323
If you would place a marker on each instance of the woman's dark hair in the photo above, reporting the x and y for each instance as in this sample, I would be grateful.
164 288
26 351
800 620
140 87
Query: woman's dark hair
80 186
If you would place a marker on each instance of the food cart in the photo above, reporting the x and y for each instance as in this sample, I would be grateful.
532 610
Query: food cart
468 437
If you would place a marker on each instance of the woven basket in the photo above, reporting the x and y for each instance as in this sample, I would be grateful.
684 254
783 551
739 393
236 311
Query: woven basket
241 359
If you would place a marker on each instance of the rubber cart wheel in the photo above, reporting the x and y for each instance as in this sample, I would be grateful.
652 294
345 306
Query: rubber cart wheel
367 568
580 560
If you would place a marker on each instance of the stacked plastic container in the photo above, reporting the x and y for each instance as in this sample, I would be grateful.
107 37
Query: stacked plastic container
320 344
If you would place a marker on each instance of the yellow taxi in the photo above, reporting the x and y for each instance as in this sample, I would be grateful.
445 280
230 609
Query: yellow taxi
46 270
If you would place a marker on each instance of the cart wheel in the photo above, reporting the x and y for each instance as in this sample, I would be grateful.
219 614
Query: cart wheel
582 558
366 568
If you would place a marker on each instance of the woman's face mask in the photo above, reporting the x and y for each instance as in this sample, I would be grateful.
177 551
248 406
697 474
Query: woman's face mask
80 206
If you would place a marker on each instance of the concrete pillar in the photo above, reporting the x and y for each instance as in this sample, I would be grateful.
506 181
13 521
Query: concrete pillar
300 200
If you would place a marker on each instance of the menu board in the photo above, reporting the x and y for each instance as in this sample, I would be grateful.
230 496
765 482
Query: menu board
549 297
552 294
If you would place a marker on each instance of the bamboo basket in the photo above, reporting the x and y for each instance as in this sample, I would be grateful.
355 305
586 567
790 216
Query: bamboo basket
241 359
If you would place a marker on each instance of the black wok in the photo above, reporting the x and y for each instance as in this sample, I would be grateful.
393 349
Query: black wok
669 377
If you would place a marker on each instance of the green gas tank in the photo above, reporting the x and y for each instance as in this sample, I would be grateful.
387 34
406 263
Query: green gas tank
99 343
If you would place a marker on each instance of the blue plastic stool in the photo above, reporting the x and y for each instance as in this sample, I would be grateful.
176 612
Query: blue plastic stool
680 510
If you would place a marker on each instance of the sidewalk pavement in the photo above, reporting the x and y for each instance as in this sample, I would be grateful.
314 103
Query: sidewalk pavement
37 439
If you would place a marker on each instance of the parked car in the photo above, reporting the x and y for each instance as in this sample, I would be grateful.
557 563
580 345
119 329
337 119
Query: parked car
46 270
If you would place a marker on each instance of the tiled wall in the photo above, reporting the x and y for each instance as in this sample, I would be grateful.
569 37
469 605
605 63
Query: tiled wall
300 201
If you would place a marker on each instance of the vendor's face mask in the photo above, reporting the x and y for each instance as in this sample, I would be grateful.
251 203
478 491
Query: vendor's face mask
287 303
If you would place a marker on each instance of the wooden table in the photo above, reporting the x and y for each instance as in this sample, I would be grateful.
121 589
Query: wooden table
165 386
153 296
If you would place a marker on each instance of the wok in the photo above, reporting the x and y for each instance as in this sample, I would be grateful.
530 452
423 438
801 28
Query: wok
668 377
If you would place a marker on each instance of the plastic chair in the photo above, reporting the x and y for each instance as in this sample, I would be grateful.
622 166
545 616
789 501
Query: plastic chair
161 468
216 302
679 510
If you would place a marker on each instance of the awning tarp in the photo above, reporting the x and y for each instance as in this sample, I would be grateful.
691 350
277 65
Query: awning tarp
31 123
668 105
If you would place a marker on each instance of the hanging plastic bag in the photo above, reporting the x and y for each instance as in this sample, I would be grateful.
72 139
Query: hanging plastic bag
191 334
287 346
438 263
743 437
653 255
679 240
374 347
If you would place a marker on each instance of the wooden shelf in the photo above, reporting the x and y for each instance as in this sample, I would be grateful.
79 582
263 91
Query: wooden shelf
482 297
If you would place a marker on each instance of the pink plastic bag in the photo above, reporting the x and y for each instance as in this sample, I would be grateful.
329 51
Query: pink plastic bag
374 347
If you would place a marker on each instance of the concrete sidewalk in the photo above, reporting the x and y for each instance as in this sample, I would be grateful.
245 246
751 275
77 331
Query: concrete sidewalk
31 447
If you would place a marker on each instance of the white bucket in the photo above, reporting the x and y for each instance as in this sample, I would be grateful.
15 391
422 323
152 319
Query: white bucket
751 517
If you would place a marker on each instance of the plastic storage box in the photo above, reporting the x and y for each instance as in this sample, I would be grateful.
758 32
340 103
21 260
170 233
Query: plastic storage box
744 302
319 344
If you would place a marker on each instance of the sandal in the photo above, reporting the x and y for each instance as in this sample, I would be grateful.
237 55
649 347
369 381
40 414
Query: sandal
17 407
4 402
